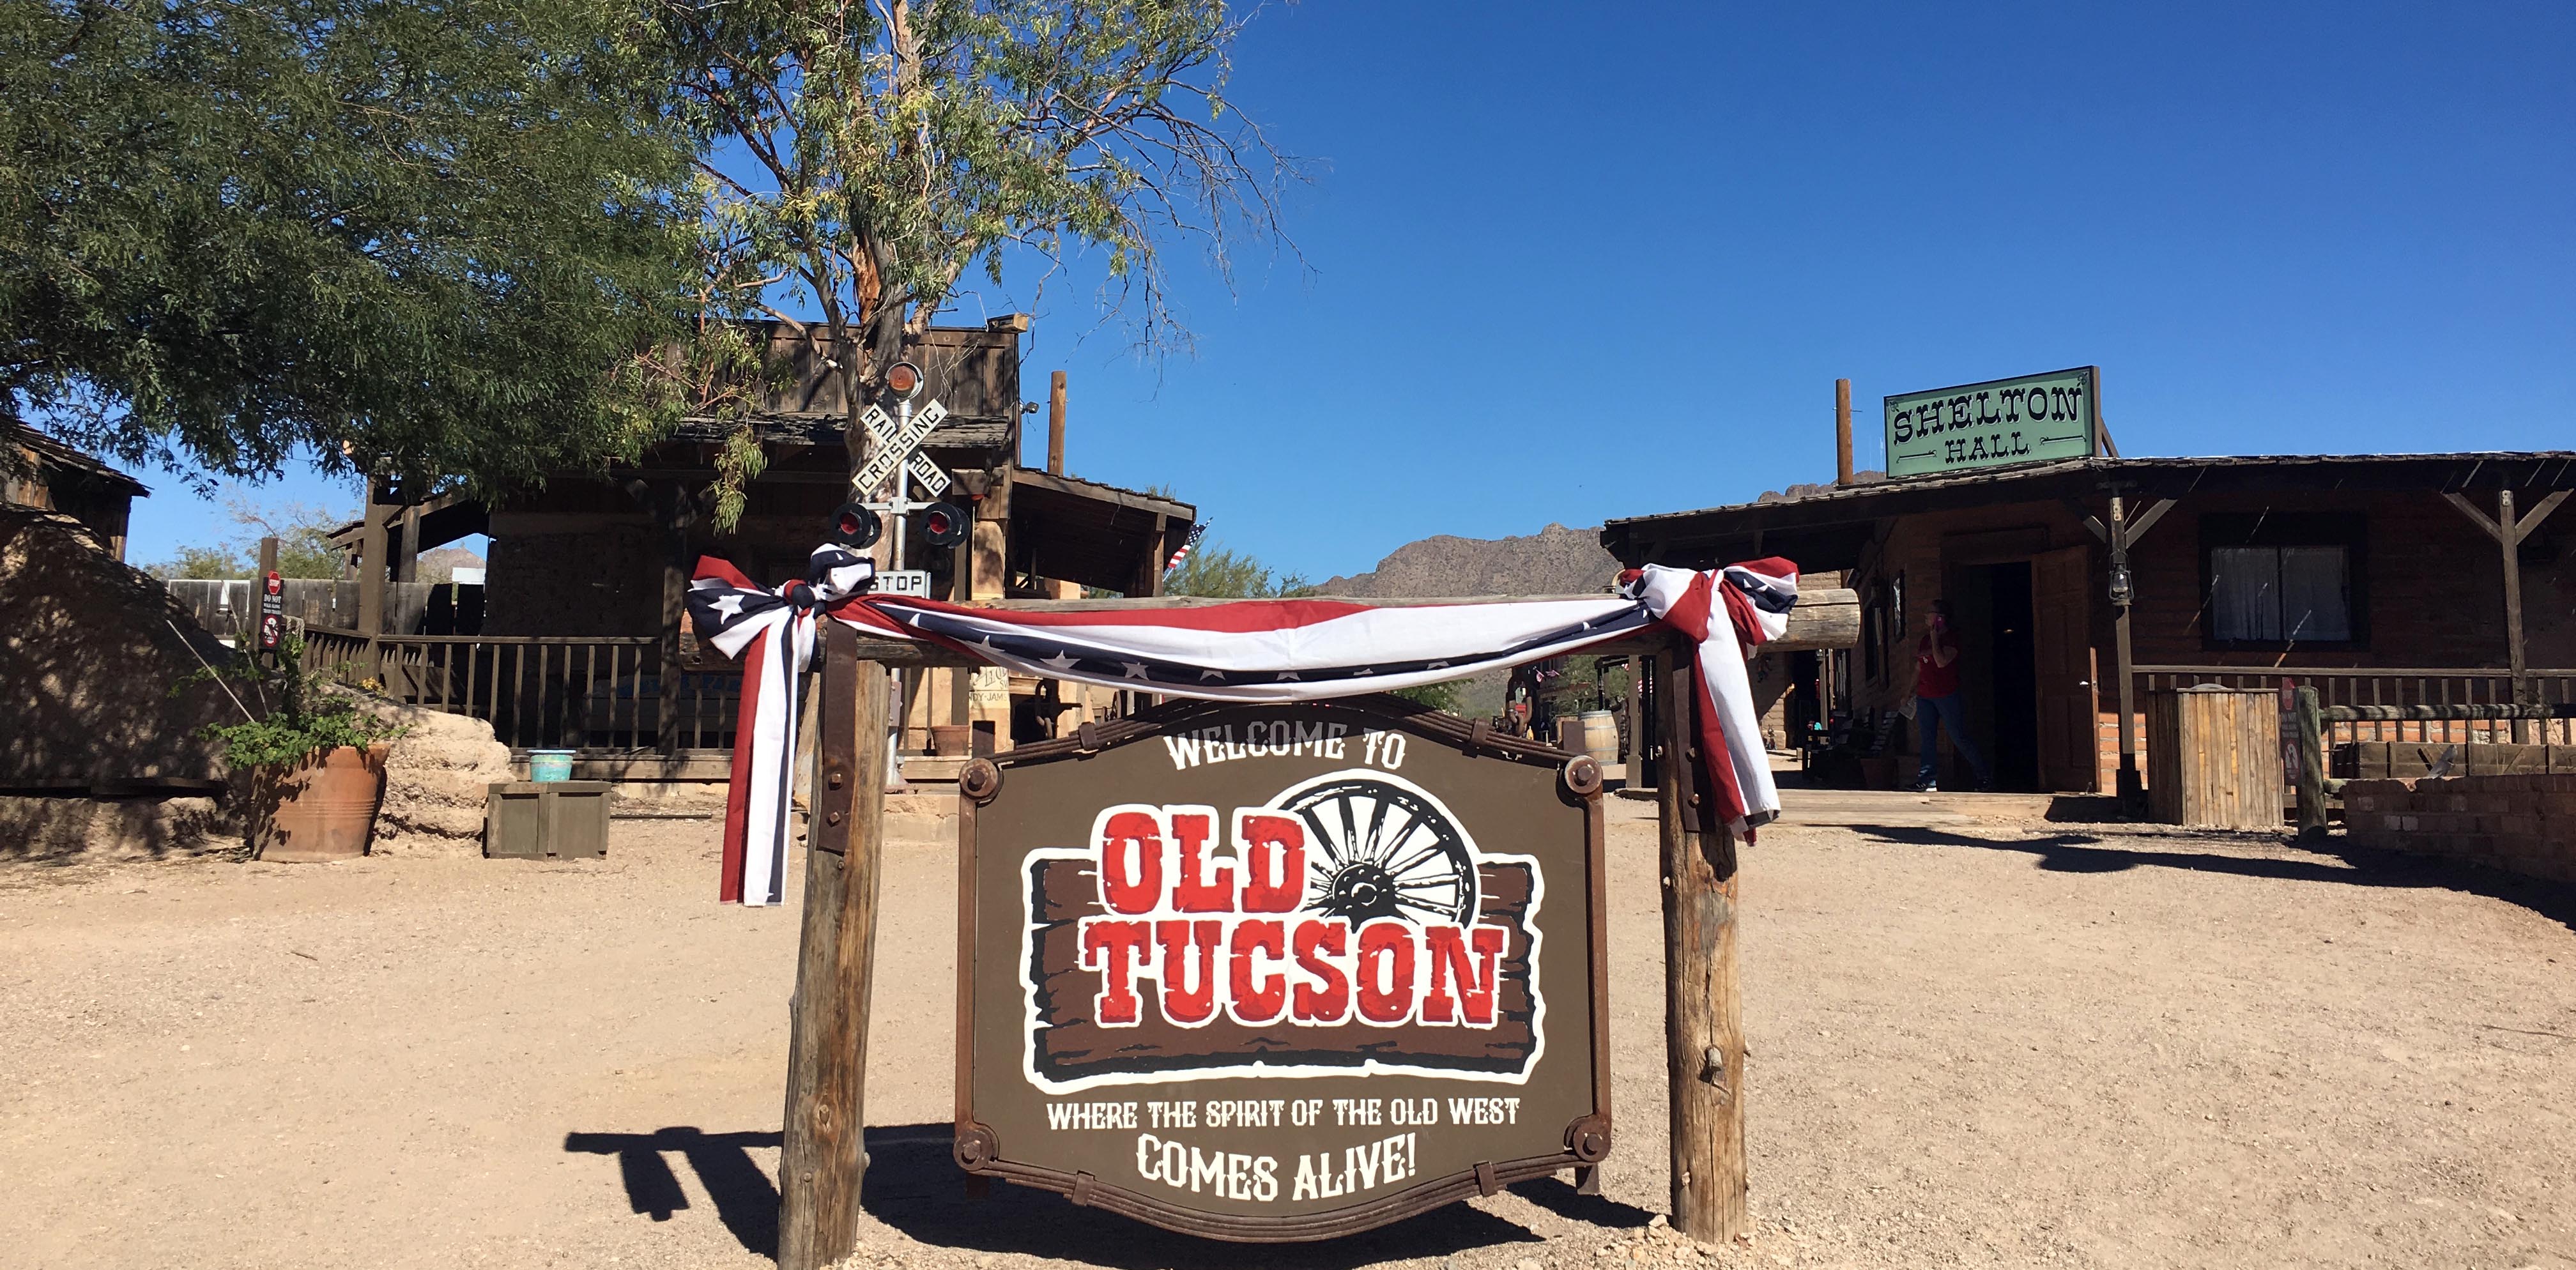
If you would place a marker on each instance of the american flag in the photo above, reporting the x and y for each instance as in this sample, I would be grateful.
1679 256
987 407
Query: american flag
1189 544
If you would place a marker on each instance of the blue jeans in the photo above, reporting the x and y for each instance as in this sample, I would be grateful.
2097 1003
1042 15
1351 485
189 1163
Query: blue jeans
1931 714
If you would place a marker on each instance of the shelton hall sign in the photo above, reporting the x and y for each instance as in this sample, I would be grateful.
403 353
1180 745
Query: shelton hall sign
2031 419
1275 972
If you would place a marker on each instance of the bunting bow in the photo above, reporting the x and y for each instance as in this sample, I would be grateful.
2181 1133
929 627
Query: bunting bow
1248 650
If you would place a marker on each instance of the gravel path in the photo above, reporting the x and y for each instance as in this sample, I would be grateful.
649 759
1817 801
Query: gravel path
1973 1043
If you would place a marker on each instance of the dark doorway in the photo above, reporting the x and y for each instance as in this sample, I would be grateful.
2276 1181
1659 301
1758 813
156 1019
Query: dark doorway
2012 676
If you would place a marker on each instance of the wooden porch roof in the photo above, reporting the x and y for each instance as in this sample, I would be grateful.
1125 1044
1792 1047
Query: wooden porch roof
1829 526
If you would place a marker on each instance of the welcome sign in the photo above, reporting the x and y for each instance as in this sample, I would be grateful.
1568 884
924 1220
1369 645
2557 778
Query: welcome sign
1284 971
2032 419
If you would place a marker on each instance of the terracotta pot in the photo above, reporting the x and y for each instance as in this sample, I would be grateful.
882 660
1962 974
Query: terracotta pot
321 809
947 741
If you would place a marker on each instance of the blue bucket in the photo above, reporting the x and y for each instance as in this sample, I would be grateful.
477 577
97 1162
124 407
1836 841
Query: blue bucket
549 765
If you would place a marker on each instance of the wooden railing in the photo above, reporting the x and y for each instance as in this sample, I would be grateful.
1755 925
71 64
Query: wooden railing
600 695
2398 686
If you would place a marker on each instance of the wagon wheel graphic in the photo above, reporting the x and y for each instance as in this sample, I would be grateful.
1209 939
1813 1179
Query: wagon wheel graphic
1384 851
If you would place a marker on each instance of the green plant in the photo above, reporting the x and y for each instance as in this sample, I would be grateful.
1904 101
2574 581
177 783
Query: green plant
1448 696
1218 573
428 239
303 716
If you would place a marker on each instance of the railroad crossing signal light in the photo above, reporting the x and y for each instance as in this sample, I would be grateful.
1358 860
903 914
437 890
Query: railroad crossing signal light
943 525
854 526
903 379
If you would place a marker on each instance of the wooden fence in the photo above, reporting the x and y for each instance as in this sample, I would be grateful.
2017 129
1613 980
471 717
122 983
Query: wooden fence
600 696
230 608
2399 686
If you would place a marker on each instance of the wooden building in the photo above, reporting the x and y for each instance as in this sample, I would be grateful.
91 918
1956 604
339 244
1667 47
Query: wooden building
2079 586
41 473
584 642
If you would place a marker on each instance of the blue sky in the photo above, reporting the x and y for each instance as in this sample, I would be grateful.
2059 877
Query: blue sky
1565 263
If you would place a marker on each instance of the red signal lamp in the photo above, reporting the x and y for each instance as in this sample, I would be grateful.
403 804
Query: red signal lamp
854 526
943 525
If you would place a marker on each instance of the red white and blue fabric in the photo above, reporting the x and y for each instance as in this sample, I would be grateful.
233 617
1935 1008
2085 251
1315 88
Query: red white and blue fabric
772 632
1246 650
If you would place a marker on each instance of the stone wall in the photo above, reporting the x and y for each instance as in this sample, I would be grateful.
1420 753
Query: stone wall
2521 824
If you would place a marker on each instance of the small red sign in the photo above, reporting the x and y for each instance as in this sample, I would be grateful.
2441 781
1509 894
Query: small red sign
272 612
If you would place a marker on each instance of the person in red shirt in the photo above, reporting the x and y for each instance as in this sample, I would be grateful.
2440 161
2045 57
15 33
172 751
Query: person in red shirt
1937 702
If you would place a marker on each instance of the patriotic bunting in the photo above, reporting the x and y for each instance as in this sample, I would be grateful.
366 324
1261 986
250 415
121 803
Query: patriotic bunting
1248 650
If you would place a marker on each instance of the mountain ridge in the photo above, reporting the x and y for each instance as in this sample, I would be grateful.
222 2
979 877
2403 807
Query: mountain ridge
1554 561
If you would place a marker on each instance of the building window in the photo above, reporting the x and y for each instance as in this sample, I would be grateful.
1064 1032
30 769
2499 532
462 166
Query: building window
2279 595
2282 582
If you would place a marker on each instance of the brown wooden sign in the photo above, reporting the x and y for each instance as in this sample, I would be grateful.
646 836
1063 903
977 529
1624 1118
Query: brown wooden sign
1279 972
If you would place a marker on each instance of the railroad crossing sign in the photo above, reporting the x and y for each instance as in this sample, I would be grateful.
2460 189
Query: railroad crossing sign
898 448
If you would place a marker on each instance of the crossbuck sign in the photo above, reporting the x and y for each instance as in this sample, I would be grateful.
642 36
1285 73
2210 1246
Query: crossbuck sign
898 446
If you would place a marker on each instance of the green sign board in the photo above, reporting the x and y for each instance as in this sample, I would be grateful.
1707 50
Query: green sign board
2028 419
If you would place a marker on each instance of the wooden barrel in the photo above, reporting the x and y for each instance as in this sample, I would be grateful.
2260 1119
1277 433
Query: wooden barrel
2214 757
1593 732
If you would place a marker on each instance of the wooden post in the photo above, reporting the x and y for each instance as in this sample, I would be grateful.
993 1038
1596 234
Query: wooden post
1149 571
2509 530
1633 758
1703 1000
824 1159
1055 424
2312 765
372 571
406 557
1842 432
2512 543
2132 791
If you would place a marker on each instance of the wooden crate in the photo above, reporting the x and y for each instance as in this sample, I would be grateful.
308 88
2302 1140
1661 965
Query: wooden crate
2214 757
542 820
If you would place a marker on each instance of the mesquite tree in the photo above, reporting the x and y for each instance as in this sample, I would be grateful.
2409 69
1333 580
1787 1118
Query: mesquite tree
424 237
859 156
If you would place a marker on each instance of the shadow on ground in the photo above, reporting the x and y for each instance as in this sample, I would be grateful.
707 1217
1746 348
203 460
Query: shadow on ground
2360 866
914 1186
746 1200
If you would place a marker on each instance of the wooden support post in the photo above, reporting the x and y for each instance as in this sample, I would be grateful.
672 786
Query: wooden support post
372 571
824 1158
1842 434
1149 571
1632 759
2312 764
2132 791
2509 530
1703 999
1055 425
2512 542
406 555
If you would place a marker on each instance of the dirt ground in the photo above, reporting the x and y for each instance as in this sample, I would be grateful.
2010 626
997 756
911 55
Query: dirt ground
1974 1042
